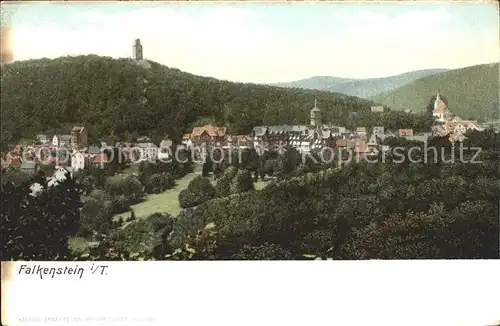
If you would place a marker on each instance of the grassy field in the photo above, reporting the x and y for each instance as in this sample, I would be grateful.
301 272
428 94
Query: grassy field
166 202
260 184
78 244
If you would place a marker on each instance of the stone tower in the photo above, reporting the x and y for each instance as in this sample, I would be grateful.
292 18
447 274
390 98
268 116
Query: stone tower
137 50
316 115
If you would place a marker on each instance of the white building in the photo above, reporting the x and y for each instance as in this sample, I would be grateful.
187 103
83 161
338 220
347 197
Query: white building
149 151
77 161
61 140
377 109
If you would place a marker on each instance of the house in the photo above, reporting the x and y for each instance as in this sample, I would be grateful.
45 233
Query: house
77 161
30 167
341 143
186 140
458 127
361 131
79 137
461 126
13 159
61 140
29 153
166 143
239 141
165 149
208 135
60 174
149 151
379 130
42 139
305 146
377 109
405 132
373 141
94 150
361 147
144 139
100 160
336 131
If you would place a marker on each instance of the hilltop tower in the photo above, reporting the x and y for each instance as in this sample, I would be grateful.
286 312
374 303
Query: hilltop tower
137 50
316 115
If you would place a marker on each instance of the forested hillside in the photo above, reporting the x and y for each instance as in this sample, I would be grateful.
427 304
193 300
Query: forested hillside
119 97
472 92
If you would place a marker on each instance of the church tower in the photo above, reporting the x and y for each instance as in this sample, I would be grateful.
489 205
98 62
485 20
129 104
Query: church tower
137 50
439 109
316 115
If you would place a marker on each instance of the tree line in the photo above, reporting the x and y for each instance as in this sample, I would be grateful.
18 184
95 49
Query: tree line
121 101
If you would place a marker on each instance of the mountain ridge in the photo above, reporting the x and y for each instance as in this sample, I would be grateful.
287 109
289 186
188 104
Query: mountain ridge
365 88
473 92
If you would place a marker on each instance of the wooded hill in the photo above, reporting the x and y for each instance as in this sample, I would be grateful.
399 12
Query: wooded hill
119 98
472 92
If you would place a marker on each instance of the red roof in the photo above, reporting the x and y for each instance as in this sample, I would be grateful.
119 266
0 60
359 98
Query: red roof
361 147
212 131
100 158
341 143
14 161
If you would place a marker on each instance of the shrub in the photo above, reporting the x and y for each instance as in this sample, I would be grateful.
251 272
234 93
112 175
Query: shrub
242 182
207 168
129 187
155 184
120 205
169 180
223 186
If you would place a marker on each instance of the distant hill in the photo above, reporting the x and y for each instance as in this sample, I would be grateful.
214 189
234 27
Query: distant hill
472 92
121 99
359 87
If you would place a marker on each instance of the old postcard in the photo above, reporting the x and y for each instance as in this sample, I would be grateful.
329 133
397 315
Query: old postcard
249 131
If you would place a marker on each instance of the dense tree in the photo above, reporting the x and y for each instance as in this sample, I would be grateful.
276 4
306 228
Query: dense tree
222 188
158 183
96 214
198 191
39 226
129 187
242 182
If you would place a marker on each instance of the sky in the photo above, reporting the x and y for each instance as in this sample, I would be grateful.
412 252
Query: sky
264 42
